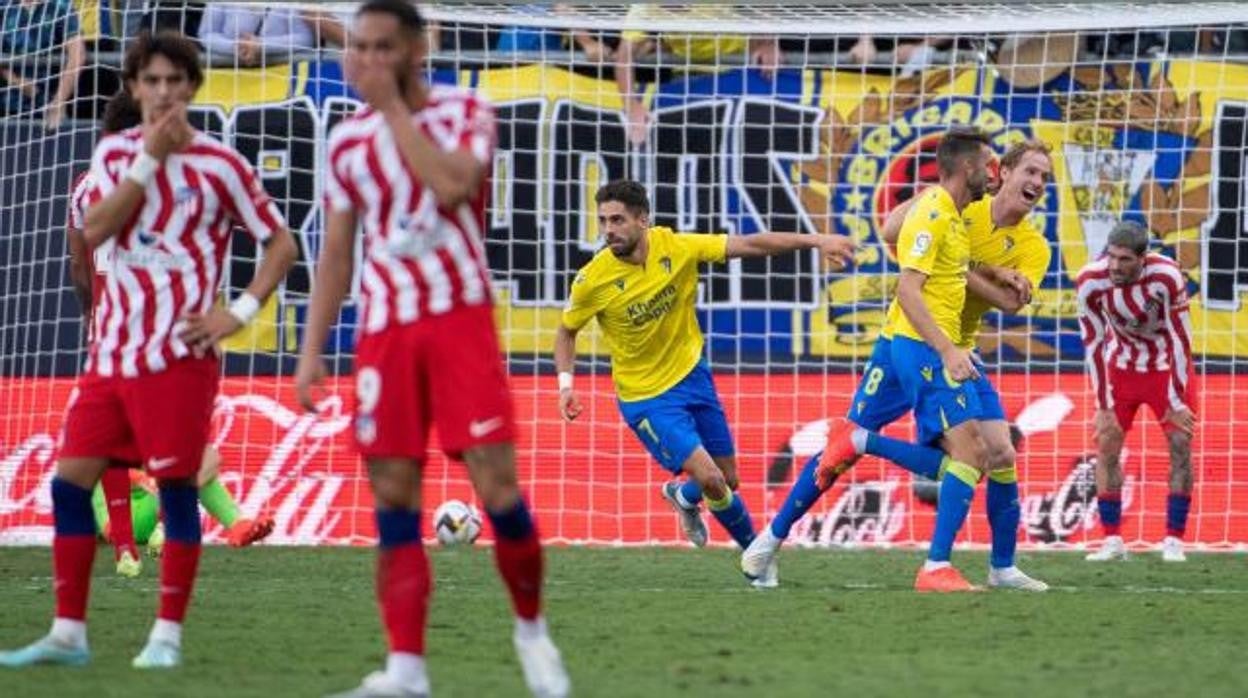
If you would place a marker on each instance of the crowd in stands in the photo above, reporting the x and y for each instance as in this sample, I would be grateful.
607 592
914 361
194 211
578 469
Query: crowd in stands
52 52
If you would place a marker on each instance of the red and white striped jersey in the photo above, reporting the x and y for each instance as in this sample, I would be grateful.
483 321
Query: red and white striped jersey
419 259
1141 326
98 260
167 260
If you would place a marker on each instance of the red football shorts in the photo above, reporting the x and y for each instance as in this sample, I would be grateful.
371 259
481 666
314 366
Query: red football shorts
1130 389
160 420
444 370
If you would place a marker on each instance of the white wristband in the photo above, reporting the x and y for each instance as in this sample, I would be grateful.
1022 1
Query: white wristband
245 307
565 381
143 169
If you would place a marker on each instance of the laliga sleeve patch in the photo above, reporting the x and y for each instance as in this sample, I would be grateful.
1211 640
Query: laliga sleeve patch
922 243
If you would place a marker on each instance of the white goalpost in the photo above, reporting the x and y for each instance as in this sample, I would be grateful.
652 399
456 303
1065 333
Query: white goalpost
802 117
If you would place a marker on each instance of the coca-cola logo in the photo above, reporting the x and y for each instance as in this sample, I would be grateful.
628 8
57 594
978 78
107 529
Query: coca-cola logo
300 500
1070 509
865 513
300 476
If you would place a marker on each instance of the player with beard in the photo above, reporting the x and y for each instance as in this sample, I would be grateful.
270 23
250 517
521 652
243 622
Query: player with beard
1137 334
642 288
1010 257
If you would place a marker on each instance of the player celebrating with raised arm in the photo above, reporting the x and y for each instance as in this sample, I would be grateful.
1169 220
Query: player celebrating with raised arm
1011 257
642 287
413 169
168 196
1136 331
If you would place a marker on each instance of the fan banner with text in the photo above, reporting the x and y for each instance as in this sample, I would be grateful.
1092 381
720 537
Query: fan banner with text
301 468
811 150
821 150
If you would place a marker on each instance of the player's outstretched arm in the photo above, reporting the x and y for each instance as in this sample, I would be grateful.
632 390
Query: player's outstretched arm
838 249
565 364
910 297
329 288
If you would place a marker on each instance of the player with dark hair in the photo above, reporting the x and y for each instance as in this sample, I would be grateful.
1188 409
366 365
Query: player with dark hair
126 505
641 288
167 197
1137 336
427 351
1010 258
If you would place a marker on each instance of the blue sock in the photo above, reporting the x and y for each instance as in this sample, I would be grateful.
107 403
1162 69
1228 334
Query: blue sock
921 460
691 492
1003 516
397 527
734 517
179 507
513 524
957 489
802 496
71 509
1177 505
1109 507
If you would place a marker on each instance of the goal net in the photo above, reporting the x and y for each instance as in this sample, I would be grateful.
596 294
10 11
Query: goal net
812 118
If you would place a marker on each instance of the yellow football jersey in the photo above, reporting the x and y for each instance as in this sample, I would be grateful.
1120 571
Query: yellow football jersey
646 311
934 241
1019 247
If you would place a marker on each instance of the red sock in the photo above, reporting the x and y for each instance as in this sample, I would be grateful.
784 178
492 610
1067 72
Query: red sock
72 557
116 485
178 563
520 565
403 588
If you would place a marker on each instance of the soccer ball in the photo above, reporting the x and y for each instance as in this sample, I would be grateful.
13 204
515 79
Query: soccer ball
456 523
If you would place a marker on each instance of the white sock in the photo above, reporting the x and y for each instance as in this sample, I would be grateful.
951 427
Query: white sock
69 632
166 631
858 438
530 629
1005 570
407 669
931 565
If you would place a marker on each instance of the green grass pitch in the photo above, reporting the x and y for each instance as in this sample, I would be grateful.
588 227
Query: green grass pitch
666 622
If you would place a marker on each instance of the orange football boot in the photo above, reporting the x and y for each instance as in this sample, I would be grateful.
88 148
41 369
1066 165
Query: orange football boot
839 454
942 580
244 532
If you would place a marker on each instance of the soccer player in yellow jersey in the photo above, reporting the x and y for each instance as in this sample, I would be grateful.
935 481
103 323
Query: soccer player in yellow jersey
1010 257
641 287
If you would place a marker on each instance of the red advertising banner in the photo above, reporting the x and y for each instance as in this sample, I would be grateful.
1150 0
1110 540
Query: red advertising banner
590 482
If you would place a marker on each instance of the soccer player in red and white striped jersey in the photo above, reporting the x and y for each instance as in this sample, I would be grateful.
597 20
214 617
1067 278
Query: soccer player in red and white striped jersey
1133 316
89 274
412 168
167 197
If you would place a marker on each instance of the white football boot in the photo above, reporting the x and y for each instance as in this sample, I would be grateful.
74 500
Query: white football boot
158 654
540 660
1014 578
758 561
1112 548
1172 550
379 684
690 518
